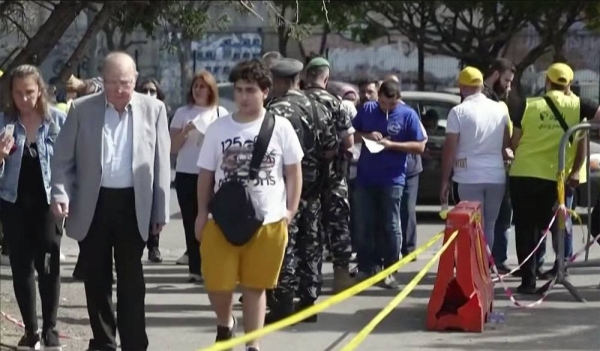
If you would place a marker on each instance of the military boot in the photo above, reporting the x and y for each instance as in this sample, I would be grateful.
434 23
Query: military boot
282 307
341 279
304 304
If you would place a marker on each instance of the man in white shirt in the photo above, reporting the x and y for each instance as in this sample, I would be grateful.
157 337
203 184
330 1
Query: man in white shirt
477 133
111 179
225 155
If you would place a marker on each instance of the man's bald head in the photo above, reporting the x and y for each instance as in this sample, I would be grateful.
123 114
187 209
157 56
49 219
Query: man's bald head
119 76
393 77
119 60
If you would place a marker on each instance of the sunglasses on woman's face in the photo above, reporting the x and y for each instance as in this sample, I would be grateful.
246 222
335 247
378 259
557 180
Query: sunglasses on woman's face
149 91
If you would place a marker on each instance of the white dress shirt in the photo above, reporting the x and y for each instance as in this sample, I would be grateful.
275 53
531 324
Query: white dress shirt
117 148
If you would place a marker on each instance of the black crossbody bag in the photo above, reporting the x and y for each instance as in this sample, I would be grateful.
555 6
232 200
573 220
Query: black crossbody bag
232 207
559 117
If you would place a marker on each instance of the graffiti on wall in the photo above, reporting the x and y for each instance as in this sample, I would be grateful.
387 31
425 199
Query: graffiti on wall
216 53
219 52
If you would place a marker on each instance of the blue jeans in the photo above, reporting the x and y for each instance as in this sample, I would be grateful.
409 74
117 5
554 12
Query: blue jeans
408 215
554 230
502 230
378 224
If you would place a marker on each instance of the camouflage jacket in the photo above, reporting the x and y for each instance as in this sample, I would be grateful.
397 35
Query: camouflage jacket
343 121
315 128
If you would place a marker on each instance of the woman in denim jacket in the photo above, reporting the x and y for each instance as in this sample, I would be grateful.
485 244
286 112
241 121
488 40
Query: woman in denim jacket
32 232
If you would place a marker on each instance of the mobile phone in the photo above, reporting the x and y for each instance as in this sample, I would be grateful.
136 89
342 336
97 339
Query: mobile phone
9 129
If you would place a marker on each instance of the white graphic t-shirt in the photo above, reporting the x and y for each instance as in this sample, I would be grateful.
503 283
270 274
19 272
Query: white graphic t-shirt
187 157
227 151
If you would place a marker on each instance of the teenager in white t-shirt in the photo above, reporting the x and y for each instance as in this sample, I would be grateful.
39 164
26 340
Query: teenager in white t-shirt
187 133
477 133
226 153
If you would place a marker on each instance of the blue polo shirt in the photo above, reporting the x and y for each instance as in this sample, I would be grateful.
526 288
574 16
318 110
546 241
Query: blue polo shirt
385 168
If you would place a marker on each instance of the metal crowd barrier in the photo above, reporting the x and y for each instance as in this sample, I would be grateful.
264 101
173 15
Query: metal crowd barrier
561 277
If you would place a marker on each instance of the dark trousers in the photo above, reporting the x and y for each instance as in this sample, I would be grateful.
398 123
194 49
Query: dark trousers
186 186
533 200
502 230
114 228
408 215
153 241
595 229
34 237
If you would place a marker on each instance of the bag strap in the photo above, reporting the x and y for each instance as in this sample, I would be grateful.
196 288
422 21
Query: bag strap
261 144
559 117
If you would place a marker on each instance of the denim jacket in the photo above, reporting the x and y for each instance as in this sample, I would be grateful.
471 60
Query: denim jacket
46 138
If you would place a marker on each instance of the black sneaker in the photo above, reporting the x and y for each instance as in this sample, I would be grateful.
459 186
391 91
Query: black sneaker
224 333
527 289
51 341
30 341
154 255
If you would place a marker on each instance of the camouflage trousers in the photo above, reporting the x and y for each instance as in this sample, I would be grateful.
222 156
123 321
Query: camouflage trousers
301 269
336 219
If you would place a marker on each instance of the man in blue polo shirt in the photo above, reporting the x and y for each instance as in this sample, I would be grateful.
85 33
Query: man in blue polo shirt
381 176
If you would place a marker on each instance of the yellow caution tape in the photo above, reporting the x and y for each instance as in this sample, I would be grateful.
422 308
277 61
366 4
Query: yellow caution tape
331 301
360 337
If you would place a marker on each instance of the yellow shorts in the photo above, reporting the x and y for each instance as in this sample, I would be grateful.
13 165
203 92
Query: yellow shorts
255 265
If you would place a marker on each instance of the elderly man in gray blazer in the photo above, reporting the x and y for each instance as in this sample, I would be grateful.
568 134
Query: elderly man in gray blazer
111 181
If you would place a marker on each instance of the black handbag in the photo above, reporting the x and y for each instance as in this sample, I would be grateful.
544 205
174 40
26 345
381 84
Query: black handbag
232 207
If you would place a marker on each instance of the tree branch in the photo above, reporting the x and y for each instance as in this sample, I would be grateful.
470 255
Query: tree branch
19 28
99 21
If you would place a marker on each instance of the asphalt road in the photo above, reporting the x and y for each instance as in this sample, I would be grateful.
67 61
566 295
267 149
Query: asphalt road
179 317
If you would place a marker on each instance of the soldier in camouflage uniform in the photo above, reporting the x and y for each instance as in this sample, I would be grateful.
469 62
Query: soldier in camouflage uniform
301 268
335 202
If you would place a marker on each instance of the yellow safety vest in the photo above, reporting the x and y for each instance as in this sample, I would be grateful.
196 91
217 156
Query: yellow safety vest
537 153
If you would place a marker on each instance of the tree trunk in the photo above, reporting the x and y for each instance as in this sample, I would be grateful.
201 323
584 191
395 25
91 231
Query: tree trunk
44 40
302 52
324 36
92 30
421 66
109 34
184 53
92 52
283 38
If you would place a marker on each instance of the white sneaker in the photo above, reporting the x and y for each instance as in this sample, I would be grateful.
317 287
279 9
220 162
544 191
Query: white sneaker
4 260
195 278
183 260
63 258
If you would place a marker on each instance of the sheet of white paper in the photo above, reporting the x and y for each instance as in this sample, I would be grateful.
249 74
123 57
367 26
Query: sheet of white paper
373 146
201 125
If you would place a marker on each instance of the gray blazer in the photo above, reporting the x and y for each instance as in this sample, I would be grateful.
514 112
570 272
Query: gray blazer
77 163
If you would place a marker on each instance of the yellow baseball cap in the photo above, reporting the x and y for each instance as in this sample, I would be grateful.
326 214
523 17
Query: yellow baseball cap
560 73
470 77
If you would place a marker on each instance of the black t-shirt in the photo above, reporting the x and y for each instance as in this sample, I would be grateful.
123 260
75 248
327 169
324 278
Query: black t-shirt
587 109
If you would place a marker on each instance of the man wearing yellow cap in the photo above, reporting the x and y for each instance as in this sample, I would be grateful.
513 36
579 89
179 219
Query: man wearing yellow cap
539 124
477 132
